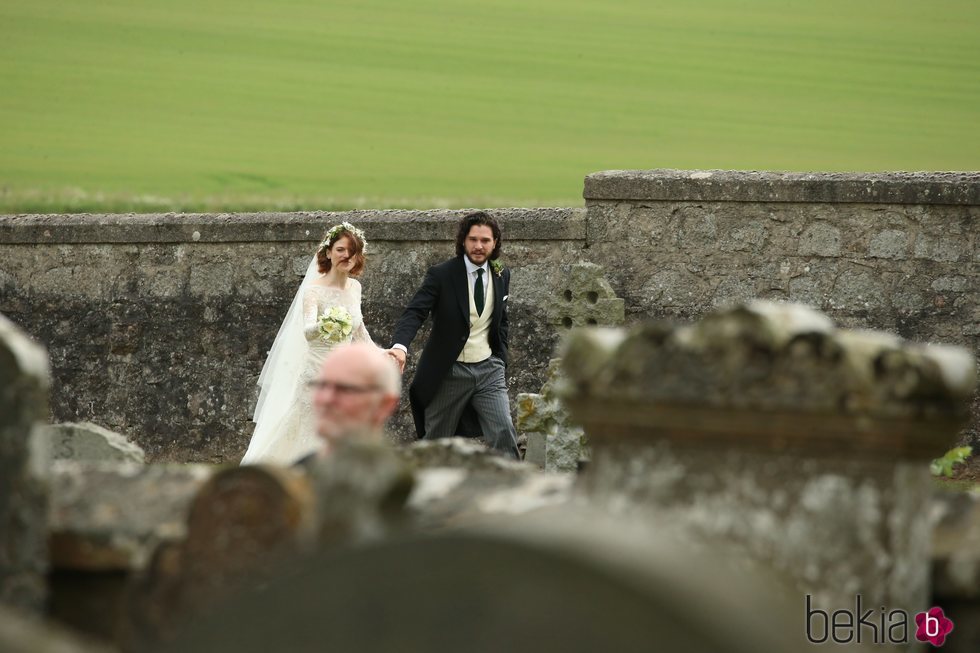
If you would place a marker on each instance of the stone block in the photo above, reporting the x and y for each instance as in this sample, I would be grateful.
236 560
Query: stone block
670 287
749 237
951 284
956 546
890 244
111 516
734 289
858 290
20 633
820 239
24 461
84 441
945 249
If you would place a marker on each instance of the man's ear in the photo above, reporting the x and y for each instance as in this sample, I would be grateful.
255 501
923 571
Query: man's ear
389 403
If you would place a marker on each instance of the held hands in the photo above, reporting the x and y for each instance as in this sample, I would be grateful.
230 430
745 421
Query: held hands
399 357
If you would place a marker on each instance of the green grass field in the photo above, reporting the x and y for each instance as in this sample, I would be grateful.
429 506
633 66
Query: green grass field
236 104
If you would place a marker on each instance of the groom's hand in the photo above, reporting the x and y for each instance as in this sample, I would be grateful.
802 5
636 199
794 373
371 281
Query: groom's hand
399 357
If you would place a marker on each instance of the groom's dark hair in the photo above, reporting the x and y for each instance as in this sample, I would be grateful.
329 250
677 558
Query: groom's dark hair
471 220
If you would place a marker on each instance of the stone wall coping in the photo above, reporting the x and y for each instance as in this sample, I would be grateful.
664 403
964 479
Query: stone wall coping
379 225
958 188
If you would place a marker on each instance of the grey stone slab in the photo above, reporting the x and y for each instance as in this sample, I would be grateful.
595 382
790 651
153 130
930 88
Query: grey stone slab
111 516
392 224
544 585
20 633
84 441
24 463
758 186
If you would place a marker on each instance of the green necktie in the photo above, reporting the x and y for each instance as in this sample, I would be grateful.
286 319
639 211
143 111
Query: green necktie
478 298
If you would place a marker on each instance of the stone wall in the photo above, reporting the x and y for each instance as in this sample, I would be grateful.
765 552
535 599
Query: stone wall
157 325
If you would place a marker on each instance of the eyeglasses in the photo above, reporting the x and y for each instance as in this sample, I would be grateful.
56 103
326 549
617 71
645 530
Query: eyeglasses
318 385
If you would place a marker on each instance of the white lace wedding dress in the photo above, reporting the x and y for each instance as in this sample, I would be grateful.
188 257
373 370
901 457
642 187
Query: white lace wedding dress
284 440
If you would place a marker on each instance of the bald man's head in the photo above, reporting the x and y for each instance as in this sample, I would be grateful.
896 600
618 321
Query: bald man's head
356 391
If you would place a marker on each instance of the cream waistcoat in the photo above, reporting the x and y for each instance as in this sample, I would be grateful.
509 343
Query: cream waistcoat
477 347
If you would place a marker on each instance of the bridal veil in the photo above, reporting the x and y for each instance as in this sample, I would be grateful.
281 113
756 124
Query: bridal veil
280 377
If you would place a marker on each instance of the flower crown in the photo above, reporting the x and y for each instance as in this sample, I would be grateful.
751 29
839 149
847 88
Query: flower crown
337 230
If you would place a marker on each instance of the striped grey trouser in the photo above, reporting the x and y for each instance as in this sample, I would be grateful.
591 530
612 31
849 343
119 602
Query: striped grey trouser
482 385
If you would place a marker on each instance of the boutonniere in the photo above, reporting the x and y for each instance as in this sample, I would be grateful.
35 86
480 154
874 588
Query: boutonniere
497 267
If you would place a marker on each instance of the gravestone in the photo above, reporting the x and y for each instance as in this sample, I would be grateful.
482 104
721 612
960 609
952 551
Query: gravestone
24 461
554 443
85 441
235 525
583 298
244 522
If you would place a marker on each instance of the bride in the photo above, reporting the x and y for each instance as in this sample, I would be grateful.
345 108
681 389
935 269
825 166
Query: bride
325 312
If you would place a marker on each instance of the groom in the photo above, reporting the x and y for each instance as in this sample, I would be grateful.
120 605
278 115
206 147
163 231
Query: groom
462 368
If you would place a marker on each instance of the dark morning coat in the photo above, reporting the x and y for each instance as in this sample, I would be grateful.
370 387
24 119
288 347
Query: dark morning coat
444 295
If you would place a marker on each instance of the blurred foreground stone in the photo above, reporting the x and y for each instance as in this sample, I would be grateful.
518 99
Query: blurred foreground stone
739 464
240 521
22 633
802 445
106 522
555 582
24 383
459 481
956 567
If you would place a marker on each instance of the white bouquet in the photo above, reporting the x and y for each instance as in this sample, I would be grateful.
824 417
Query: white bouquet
335 325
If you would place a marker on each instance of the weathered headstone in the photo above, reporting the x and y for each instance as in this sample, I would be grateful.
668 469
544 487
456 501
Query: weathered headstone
244 522
238 523
764 426
585 298
24 383
85 441
554 443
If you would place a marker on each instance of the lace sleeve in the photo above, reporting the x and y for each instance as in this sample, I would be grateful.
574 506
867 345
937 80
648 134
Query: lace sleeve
310 329
361 333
